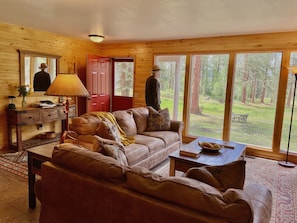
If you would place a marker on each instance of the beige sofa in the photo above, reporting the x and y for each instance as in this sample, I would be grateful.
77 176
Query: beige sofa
80 185
145 142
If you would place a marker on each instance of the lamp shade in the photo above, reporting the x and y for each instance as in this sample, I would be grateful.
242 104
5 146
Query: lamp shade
96 38
67 85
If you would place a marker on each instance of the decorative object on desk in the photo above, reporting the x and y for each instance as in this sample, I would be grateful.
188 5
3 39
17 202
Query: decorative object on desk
210 146
11 104
286 163
68 85
24 91
47 104
50 135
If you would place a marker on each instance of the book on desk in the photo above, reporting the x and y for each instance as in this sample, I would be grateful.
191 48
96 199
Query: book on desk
189 152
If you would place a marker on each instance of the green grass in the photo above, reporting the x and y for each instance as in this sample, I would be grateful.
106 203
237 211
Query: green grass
258 130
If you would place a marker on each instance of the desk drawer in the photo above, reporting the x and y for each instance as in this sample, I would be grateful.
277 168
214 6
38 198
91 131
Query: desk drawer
49 115
29 118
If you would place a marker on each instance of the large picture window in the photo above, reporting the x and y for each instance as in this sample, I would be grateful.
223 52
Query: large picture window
207 95
288 111
172 79
256 113
255 96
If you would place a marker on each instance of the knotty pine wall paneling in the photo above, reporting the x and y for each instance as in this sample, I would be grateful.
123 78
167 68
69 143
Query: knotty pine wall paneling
73 58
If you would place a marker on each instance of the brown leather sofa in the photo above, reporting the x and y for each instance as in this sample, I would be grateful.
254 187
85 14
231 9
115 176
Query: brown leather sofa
80 185
148 148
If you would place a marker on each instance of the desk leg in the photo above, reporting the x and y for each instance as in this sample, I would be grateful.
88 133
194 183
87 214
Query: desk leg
172 167
31 182
19 138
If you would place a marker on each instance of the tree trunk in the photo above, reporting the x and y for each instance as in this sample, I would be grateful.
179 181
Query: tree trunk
195 109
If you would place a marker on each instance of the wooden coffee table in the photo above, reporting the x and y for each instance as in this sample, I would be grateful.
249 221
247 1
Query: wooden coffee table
232 152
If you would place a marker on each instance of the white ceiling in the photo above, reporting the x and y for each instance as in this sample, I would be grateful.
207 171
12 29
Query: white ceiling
142 20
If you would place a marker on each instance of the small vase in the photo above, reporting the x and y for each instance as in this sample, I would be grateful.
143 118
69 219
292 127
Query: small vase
24 102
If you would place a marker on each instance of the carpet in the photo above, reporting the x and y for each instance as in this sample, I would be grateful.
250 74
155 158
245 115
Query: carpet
280 180
15 163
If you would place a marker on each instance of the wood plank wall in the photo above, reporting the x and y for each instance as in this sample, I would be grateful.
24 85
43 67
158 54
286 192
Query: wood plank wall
13 37
74 51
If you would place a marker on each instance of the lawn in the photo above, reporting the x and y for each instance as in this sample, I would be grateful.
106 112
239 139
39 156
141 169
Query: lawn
258 130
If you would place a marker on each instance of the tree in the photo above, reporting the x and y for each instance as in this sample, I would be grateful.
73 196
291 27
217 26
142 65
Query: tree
195 109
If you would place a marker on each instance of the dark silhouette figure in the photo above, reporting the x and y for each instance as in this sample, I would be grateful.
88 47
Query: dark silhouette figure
152 89
42 79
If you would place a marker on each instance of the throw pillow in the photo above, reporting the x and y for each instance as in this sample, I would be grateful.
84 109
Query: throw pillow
115 152
231 175
158 120
108 130
140 116
110 148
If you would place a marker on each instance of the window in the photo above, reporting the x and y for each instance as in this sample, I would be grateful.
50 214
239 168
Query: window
255 93
172 79
123 78
288 111
207 95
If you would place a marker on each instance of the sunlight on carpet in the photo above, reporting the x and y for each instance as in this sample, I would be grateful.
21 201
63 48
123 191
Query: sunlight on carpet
280 180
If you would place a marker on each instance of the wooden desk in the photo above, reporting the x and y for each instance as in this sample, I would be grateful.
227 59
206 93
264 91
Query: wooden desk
36 156
222 157
34 116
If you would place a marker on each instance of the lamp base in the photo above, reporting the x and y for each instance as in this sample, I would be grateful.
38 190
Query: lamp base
286 164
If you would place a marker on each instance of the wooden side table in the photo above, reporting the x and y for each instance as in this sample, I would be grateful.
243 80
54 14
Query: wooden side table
36 156
17 118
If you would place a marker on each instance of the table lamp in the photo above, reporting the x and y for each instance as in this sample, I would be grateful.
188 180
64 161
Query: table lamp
67 85
286 163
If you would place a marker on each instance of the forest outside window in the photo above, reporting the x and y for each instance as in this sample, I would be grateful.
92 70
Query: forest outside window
288 110
207 95
172 81
255 96
124 76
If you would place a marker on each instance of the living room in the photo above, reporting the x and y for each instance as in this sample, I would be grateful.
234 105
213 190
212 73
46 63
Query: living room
16 37
73 51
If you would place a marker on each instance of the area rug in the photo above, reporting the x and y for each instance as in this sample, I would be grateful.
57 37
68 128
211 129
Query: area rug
15 163
280 180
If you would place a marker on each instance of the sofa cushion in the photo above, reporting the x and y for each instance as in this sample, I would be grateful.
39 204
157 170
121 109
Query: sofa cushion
126 121
108 130
87 162
158 120
233 205
231 175
169 137
135 153
153 144
140 117
85 124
